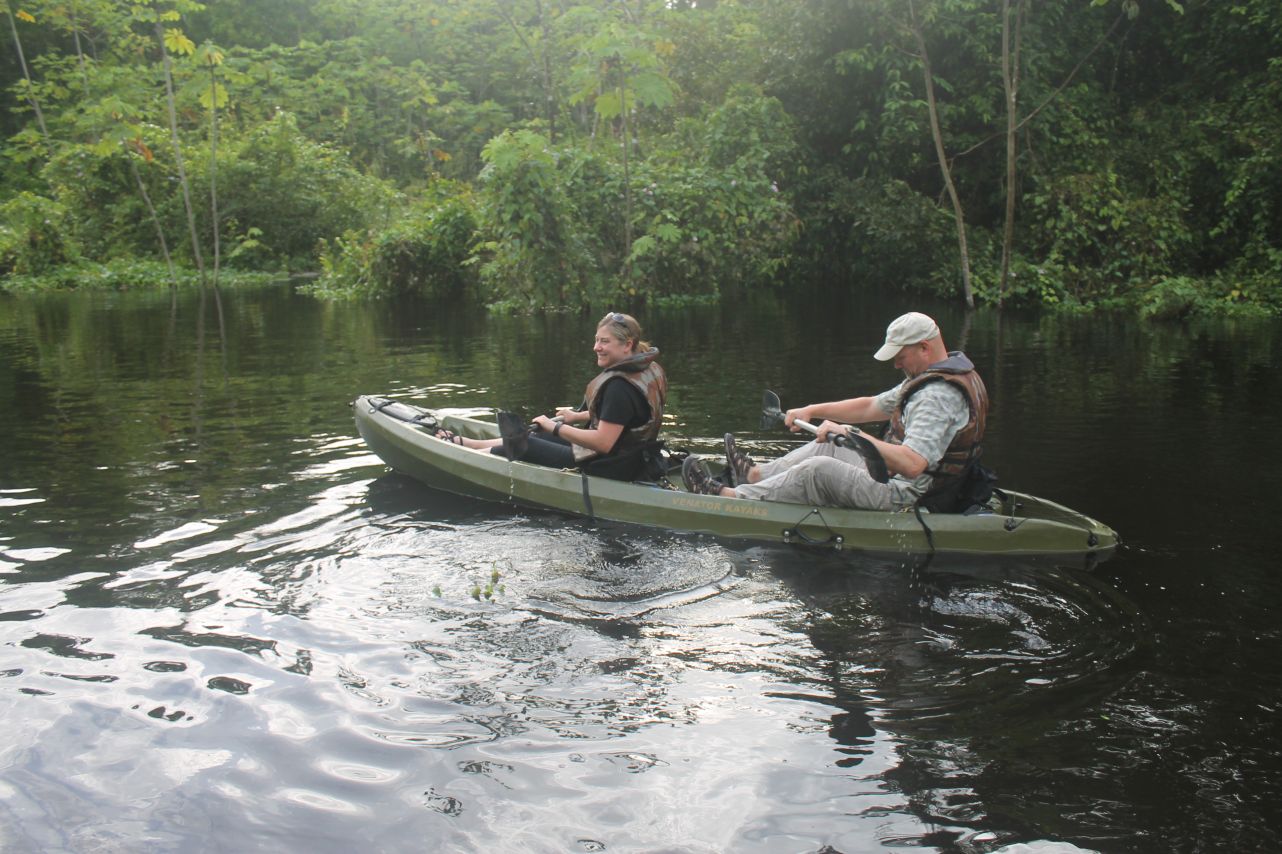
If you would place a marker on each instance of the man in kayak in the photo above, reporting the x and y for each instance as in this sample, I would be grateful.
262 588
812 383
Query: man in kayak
936 416
622 406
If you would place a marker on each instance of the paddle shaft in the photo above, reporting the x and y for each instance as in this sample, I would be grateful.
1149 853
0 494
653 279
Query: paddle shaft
836 438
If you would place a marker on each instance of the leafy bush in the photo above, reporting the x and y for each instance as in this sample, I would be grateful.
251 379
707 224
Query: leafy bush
426 252
709 210
706 211
886 232
1103 239
701 229
100 191
33 235
1178 297
278 194
118 275
294 191
538 252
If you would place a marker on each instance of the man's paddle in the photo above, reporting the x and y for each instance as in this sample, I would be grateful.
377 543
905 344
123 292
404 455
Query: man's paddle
772 415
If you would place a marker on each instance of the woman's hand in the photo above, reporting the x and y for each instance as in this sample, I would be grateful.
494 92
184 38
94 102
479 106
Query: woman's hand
547 425
570 415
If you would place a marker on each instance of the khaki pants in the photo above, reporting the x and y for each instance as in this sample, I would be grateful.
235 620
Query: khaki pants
824 475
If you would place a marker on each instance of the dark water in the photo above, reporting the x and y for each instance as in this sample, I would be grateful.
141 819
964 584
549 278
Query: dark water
224 626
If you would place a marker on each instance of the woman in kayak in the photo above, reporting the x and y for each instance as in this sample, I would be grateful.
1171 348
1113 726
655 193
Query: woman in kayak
622 407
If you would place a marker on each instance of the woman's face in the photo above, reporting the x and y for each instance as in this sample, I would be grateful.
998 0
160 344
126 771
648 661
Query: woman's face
608 348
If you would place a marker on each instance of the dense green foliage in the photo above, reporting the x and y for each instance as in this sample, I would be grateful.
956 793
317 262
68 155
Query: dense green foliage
538 154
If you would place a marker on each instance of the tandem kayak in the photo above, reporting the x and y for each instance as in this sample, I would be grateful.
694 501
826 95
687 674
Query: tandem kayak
1013 523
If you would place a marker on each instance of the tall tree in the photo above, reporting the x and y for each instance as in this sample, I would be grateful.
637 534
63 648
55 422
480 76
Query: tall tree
173 39
937 135
30 90
622 69
1010 87
213 98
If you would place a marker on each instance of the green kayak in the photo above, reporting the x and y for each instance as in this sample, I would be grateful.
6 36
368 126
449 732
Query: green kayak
1018 524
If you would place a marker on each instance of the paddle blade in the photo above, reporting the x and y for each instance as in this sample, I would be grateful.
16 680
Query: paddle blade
772 414
872 457
516 438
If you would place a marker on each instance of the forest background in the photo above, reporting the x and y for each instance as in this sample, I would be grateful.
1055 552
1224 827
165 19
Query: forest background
548 153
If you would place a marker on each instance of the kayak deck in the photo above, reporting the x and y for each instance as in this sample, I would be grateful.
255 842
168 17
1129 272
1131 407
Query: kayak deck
402 436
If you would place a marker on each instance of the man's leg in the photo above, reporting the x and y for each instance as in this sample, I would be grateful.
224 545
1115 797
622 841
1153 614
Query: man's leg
793 458
838 479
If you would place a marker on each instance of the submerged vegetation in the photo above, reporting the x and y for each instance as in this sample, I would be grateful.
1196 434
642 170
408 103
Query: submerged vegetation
531 154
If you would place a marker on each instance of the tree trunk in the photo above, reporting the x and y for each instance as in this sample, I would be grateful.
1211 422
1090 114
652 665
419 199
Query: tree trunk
31 89
944 168
627 187
213 164
151 209
178 156
1010 84
540 58
549 87
80 54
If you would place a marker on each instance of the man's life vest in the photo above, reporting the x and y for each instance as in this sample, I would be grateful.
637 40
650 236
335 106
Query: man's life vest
648 377
967 445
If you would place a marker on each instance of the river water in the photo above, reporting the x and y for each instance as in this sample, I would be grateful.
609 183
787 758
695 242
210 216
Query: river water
225 626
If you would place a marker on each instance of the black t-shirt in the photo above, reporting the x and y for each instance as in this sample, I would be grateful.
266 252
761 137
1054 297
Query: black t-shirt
623 403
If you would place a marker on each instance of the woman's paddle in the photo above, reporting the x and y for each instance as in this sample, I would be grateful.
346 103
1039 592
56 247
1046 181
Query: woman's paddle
772 415
516 434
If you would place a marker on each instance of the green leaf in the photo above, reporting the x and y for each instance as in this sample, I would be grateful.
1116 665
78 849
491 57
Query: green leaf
642 246
215 97
608 105
177 42
653 90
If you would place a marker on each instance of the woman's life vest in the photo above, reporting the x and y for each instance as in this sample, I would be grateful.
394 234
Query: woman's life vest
967 445
647 376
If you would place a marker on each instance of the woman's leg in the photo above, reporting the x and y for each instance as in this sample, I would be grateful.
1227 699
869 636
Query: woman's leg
544 451
475 444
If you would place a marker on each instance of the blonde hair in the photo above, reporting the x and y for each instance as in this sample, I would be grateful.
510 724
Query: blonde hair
625 328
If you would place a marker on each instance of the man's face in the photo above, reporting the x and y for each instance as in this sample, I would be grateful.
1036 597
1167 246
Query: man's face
912 359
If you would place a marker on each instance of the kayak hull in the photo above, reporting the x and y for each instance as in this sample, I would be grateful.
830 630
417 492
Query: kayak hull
1018 524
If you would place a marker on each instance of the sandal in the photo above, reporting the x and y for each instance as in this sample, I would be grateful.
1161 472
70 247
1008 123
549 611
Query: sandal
698 480
448 436
738 464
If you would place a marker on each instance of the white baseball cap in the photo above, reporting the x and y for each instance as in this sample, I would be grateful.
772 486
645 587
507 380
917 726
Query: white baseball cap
911 328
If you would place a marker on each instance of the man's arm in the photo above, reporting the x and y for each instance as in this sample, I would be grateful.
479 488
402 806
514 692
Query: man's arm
856 410
931 419
900 459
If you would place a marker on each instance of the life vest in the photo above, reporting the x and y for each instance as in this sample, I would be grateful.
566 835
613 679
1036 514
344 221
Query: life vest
648 377
967 445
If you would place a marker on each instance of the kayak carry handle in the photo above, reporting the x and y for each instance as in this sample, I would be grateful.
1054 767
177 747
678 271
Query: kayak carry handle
834 539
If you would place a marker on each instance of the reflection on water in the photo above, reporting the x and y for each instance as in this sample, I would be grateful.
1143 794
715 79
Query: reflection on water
226 627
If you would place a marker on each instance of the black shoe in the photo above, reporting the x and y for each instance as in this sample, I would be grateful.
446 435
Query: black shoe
516 438
697 478
738 464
